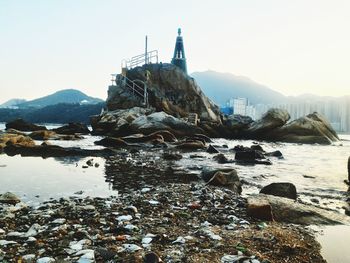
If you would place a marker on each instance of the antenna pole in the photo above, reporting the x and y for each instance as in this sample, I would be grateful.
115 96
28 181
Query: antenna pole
146 59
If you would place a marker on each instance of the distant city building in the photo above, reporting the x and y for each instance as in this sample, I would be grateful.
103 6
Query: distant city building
179 58
240 106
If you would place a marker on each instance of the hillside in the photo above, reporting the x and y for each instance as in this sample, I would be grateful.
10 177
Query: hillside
59 113
222 86
69 96
12 103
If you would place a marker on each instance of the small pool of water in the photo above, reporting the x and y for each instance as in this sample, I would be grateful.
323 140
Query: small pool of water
334 242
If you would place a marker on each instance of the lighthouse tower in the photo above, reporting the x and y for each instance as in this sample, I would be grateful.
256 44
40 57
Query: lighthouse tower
179 58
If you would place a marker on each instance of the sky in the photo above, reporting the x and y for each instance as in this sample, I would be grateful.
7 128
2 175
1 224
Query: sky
291 46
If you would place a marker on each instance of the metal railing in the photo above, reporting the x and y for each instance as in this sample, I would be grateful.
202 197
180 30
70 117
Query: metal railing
139 60
134 88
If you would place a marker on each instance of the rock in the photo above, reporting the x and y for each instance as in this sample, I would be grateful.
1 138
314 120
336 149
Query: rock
13 139
274 154
221 158
237 122
271 120
53 151
112 142
151 257
30 258
191 146
46 260
287 190
224 177
72 128
9 198
212 149
140 138
172 156
251 156
202 137
169 90
289 211
116 123
22 125
259 208
14 131
160 121
257 147
313 128
43 135
131 247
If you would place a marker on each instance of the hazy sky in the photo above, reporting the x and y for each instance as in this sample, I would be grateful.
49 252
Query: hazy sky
292 46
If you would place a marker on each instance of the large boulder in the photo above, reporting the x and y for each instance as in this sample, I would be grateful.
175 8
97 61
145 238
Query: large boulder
287 190
289 211
272 119
22 125
313 128
169 90
117 122
162 121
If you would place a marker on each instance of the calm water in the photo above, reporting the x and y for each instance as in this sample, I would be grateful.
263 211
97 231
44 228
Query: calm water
317 171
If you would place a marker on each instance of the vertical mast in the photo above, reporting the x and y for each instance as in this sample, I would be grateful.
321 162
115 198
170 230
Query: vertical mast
146 59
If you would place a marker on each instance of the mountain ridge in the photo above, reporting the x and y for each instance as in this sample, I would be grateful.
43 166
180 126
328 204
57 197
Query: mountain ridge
68 96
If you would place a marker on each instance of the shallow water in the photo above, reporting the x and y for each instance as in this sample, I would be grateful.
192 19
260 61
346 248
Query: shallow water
334 241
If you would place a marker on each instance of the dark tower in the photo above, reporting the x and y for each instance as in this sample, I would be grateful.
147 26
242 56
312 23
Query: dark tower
179 58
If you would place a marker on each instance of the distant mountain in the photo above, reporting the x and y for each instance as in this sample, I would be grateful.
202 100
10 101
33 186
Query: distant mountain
13 103
220 87
68 96
58 113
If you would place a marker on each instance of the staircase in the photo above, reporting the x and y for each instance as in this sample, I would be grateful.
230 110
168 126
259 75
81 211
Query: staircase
132 87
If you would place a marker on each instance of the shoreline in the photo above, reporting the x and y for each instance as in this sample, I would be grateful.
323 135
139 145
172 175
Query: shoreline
198 223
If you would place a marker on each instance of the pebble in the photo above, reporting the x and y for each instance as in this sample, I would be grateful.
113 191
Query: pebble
124 218
180 240
131 247
45 260
28 258
5 242
145 190
153 202
59 221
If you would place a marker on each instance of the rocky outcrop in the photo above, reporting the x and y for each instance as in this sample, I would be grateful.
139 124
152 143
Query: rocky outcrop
272 119
169 90
313 128
22 125
289 211
287 190
162 121
273 126
72 128
7 139
117 122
